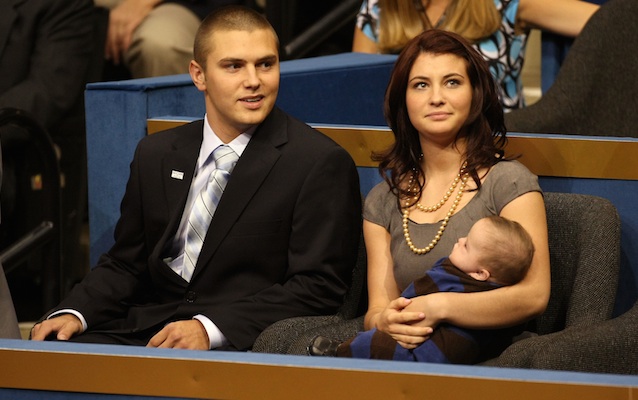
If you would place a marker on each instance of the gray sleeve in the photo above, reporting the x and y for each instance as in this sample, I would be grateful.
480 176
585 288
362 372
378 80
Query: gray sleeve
511 179
379 204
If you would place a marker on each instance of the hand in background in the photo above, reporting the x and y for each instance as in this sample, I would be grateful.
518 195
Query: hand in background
123 21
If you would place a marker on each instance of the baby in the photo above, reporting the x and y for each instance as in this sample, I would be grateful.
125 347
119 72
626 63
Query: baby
496 252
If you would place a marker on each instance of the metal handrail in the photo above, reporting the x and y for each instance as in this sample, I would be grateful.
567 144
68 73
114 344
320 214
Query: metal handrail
322 29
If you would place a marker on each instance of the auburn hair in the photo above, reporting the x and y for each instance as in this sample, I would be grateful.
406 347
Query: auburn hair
484 130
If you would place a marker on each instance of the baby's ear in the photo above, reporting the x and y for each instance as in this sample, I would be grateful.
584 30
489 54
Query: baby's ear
481 275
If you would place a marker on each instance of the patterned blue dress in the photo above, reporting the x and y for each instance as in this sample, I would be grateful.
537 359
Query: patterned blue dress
504 50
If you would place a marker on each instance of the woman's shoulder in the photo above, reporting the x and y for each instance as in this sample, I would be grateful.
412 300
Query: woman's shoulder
380 193
508 180
511 173
379 203
510 167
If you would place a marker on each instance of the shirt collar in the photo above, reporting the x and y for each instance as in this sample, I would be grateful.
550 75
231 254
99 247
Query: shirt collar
212 141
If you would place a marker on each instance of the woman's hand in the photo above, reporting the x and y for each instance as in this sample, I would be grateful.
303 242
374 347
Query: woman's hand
403 325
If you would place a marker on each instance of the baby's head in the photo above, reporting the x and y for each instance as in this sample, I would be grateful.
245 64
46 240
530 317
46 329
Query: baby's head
496 249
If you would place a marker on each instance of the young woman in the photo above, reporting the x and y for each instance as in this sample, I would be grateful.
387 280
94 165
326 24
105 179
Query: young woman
446 171
498 29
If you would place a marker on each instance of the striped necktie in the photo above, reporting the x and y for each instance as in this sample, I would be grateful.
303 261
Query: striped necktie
204 207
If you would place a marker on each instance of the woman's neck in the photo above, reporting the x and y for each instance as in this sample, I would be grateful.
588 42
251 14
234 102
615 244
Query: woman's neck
435 10
442 159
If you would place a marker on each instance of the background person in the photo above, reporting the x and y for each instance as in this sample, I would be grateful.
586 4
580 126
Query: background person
46 53
154 37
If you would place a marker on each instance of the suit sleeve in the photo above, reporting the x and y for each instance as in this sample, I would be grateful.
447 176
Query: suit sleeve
119 277
62 51
322 252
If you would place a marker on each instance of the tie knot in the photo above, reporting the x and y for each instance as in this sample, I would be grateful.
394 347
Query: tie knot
225 158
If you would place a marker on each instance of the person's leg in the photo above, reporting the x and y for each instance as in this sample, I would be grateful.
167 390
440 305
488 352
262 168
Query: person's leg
110 4
8 322
163 43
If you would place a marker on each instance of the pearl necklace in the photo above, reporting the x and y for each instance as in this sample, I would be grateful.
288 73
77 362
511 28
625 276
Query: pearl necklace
462 177
446 196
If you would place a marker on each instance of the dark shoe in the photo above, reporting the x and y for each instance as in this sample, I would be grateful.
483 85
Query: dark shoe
322 346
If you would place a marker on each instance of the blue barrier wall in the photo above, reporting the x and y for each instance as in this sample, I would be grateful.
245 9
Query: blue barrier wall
84 371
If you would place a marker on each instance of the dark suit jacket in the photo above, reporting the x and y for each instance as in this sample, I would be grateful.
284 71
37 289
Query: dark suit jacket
45 53
282 242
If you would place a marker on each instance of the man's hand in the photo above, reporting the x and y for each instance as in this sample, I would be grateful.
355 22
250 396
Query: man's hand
188 334
64 326
123 21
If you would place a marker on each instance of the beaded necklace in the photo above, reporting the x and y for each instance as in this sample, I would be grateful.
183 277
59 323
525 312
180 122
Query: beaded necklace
461 177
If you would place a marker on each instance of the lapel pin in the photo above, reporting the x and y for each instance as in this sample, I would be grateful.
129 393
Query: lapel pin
177 175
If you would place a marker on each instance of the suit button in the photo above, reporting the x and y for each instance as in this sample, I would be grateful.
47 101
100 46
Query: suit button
191 296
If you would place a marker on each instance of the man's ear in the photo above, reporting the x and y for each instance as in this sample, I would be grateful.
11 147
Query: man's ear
481 275
197 75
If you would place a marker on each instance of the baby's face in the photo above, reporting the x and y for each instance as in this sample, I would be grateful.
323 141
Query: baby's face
468 250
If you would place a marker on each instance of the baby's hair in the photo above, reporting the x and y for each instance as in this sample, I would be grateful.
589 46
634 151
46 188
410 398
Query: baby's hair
509 252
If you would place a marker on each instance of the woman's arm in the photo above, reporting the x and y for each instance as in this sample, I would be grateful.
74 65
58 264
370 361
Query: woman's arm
382 287
509 305
385 307
564 17
363 44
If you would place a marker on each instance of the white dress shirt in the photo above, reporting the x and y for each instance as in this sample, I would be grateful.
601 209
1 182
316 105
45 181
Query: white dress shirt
211 142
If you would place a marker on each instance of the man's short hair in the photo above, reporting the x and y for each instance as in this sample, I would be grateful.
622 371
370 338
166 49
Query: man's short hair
228 18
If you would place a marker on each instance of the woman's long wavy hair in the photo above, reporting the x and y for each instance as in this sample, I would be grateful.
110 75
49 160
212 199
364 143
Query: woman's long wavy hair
484 131
402 20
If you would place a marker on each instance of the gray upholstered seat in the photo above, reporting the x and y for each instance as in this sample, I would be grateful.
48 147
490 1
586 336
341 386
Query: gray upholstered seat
595 91
608 347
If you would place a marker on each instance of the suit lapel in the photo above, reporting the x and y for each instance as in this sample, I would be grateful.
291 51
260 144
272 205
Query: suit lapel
251 170
178 167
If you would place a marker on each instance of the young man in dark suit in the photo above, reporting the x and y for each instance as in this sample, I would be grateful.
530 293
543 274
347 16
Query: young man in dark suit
282 241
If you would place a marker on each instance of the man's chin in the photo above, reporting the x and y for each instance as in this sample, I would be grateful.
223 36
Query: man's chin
256 117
